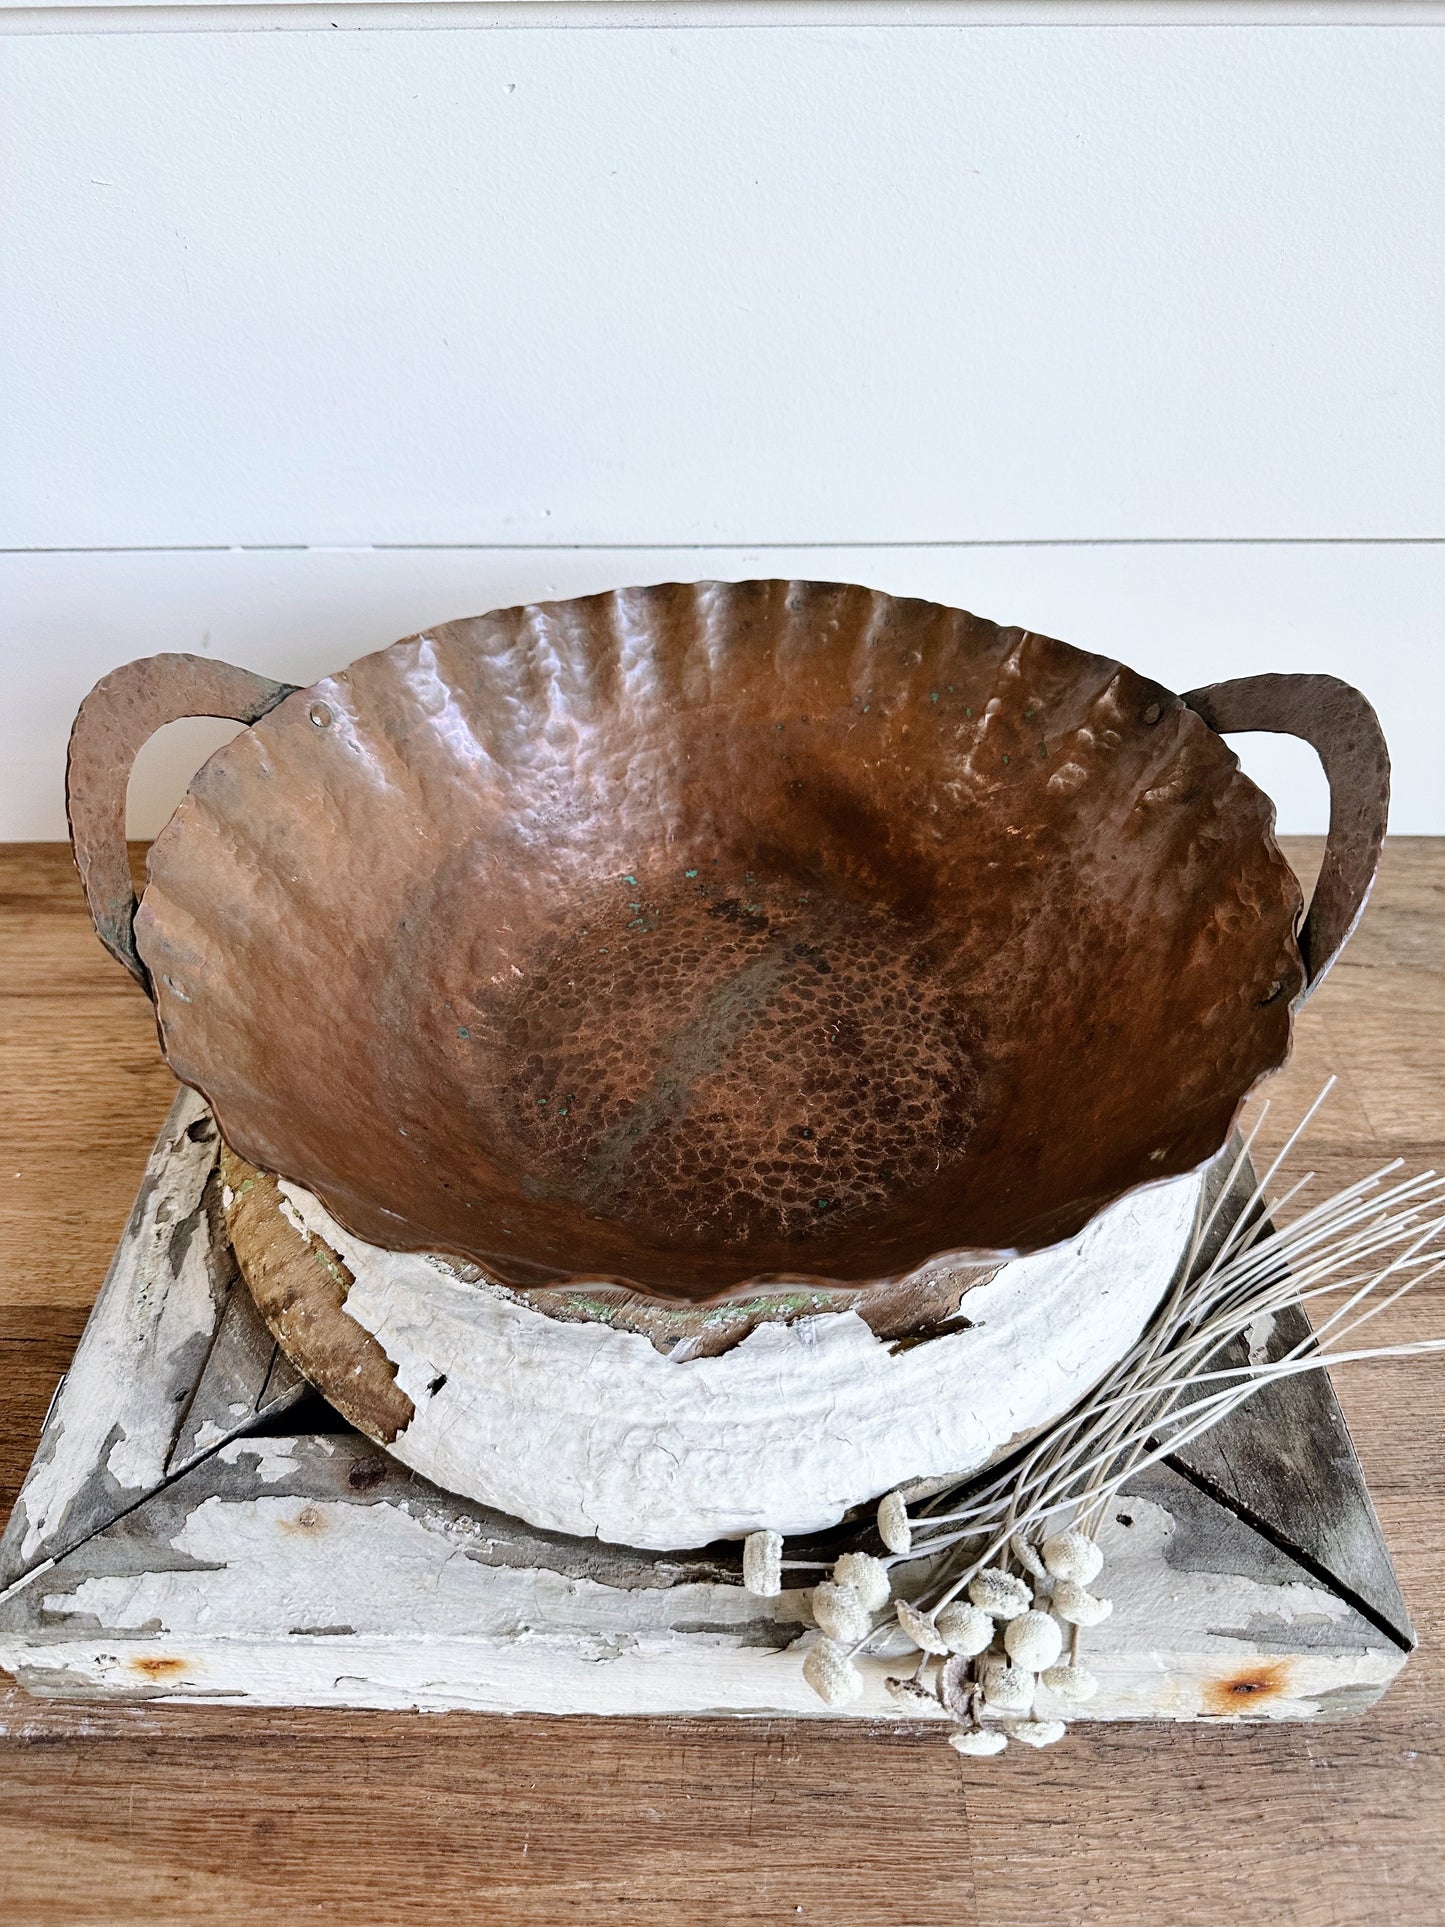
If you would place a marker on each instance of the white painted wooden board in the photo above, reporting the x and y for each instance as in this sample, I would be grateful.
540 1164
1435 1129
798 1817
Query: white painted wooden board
303 1571
813 283
1186 614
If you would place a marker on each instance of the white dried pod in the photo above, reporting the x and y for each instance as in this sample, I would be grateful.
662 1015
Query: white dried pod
999 1593
840 1613
867 1576
911 1693
1008 1689
1035 1732
1033 1640
966 1629
893 1527
763 1564
980 1743
955 1688
1075 1683
1076 1607
831 1674
1027 1555
920 1628
1072 1555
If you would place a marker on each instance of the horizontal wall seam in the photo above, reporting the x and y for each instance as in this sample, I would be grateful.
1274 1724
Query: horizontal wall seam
812 542
384 16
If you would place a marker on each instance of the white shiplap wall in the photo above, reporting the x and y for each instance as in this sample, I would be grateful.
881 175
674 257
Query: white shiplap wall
1131 332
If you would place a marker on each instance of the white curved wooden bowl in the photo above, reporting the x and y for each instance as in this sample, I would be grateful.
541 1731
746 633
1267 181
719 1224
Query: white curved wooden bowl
584 1429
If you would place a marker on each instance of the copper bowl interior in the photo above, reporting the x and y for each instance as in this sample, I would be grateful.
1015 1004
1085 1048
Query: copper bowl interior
702 935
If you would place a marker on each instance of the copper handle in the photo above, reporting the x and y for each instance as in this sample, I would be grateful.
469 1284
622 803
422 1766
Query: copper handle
122 710
1344 731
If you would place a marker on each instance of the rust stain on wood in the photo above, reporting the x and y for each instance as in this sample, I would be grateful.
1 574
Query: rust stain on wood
308 1519
159 1669
1253 1686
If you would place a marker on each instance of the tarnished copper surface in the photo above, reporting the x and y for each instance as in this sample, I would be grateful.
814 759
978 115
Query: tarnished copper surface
701 935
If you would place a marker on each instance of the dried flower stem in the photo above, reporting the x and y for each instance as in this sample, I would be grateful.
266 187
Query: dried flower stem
1369 1244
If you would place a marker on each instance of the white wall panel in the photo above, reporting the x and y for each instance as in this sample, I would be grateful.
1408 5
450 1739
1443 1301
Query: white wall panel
818 283
1187 614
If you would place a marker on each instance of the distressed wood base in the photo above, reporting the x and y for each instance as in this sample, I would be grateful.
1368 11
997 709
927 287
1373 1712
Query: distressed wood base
170 1542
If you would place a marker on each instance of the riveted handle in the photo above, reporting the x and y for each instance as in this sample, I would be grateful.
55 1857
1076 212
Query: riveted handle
1344 731
123 709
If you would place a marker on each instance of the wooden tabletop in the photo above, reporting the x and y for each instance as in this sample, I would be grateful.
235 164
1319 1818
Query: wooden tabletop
118 1814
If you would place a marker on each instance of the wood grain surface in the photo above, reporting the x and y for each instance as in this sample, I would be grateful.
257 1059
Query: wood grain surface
122 1814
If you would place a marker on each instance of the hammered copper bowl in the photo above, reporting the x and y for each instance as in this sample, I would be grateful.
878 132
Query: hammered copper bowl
700 936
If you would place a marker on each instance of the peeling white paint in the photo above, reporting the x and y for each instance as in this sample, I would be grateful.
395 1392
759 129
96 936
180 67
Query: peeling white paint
270 1564
583 1429
119 1387
270 1459
1257 1333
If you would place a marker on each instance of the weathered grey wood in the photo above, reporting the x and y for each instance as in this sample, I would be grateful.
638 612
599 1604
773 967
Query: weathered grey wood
147 1376
1286 1463
113 1424
246 1376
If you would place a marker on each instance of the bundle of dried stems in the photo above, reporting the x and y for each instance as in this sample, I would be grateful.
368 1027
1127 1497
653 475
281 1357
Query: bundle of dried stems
1019 1543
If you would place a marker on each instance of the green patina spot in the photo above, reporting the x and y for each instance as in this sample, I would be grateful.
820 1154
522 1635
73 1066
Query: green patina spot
689 873
933 695
595 1308
331 1268
968 710
1043 749
1028 715
1005 758
462 1031
632 880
